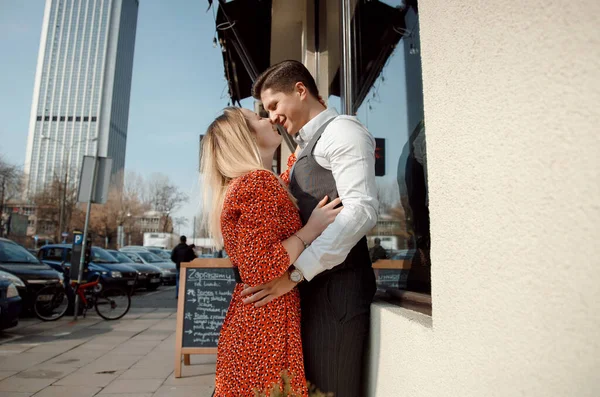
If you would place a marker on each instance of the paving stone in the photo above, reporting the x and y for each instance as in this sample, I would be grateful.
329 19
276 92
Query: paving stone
152 335
111 362
40 374
184 391
61 369
11 349
77 358
102 394
6 374
68 391
191 380
156 315
22 361
55 347
133 386
147 373
79 378
15 394
31 385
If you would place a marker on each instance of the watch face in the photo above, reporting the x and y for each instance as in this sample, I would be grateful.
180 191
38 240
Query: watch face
296 276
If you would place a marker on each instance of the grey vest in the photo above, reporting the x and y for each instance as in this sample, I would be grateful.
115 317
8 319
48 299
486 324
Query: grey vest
309 183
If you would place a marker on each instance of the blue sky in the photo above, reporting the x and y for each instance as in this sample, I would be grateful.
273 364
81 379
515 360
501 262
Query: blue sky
176 91
178 88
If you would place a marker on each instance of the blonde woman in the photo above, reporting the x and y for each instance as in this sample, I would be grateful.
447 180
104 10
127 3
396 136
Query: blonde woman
255 217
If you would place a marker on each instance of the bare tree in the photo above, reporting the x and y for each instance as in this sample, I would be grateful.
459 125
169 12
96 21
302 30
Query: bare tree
50 200
122 207
200 228
135 186
165 197
11 178
388 194
179 222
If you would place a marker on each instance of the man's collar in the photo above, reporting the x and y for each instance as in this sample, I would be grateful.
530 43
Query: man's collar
310 129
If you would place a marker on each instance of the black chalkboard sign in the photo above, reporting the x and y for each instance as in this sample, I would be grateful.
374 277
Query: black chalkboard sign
207 296
205 289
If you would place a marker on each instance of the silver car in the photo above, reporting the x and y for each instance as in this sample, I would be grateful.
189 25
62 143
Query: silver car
168 269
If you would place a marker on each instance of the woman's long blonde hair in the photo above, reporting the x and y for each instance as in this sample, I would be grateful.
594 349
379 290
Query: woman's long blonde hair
229 150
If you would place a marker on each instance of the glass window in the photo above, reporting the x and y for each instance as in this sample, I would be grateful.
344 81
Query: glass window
134 257
101 256
388 97
53 254
14 253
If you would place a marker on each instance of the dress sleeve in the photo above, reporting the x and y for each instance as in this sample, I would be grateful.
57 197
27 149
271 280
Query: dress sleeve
260 255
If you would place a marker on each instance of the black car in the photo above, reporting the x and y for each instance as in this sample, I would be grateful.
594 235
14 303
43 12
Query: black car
58 256
10 301
34 275
149 276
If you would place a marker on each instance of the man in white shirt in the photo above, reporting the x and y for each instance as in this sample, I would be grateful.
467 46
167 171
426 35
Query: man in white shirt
336 157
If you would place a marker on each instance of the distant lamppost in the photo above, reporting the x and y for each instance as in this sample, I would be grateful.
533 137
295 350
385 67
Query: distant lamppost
129 228
166 221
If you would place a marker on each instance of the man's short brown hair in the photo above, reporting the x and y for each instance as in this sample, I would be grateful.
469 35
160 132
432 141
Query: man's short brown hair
282 77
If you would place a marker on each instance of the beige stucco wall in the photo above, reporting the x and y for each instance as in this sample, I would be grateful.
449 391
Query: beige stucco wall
512 103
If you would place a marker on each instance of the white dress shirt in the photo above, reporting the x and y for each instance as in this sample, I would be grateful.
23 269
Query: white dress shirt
348 150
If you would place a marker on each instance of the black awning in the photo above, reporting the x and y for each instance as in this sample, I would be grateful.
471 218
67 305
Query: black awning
244 33
378 28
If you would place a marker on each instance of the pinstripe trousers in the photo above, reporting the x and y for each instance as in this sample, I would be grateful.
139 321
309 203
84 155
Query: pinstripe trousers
335 328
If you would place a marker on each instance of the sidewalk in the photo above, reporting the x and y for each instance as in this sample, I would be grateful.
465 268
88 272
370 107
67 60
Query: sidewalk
131 357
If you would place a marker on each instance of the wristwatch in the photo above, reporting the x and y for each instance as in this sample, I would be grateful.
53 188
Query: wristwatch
295 274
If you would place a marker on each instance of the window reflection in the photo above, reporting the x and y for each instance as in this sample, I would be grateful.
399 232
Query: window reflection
392 110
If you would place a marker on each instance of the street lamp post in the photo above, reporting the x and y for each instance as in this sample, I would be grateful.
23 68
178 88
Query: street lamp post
86 225
166 221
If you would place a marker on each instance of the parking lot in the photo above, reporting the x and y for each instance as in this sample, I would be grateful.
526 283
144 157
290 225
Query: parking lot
131 357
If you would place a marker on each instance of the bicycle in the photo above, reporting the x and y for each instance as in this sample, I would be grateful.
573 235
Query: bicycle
52 302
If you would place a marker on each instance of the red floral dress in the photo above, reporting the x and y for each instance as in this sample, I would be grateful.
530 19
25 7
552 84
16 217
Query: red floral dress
257 344
290 163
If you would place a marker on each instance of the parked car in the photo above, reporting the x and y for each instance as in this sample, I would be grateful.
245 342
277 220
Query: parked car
102 263
10 301
149 277
402 253
169 271
33 274
133 248
161 253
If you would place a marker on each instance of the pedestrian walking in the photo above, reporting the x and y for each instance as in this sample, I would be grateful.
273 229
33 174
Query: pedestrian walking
181 253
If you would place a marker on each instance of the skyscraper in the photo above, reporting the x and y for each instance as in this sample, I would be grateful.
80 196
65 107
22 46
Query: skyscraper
82 88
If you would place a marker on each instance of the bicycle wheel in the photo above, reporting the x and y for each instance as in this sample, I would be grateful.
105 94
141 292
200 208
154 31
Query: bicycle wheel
112 303
51 303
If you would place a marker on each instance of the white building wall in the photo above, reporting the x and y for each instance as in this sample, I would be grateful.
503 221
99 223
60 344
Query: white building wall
511 92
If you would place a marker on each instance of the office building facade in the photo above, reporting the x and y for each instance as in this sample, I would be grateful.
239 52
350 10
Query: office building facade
82 89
